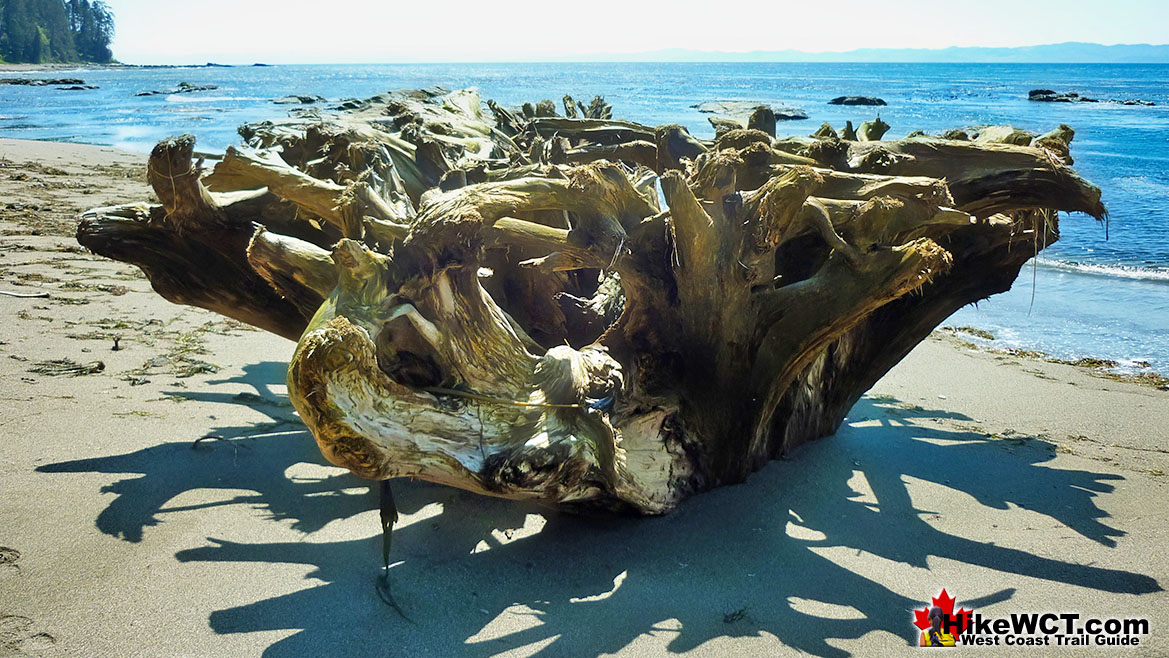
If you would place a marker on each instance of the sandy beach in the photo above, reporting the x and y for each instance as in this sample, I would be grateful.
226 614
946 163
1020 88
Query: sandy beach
1017 485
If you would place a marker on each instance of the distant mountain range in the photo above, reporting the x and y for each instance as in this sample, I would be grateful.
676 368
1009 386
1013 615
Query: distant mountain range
1071 52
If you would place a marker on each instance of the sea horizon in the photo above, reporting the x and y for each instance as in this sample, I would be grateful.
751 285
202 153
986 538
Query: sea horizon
47 66
1064 52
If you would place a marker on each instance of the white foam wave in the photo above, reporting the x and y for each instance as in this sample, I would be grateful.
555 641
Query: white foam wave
191 98
1123 271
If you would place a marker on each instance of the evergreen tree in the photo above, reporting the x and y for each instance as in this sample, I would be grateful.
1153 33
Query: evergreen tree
92 24
55 31
53 23
19 28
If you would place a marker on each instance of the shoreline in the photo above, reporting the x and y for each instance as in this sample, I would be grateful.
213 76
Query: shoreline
1018 485
4 66
1098 367
50 67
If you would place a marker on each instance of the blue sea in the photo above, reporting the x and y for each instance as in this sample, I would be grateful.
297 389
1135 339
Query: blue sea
1097 292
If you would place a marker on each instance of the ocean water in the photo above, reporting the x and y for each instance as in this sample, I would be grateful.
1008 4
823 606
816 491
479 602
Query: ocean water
1100 291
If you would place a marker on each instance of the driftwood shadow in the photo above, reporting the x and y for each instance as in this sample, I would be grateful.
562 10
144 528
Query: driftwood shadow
249 457
737 562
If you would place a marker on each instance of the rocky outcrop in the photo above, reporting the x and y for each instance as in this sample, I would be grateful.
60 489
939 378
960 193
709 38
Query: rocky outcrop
41 82
299 99
183 88
857 100
1050 96
743 110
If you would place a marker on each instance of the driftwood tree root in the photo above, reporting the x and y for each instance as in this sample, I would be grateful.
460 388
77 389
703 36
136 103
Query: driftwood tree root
499 300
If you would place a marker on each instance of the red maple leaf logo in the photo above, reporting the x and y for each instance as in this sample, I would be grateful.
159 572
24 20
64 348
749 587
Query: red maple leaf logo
921 618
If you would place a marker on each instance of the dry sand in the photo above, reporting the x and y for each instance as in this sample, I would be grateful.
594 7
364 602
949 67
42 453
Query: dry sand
1017 485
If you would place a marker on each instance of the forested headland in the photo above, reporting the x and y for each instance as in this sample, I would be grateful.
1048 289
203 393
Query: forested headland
43 31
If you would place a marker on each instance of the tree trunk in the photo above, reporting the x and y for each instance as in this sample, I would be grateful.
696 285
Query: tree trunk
502 304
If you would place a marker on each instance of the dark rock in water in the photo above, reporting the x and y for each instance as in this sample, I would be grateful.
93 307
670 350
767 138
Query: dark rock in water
743 109
40 82
183 88
187 87
77 87
305 113
259 64
1050 96
299 99
213 65
789 114
857 100
349 104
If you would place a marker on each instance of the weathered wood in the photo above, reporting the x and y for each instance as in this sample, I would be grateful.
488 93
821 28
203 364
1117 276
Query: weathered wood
498 300
303 273
192 249
762 118
872 131
984 179
604 132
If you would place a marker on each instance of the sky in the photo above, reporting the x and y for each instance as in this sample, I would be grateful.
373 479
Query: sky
336 31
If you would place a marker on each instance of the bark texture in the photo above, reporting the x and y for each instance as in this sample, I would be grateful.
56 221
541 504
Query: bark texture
586 312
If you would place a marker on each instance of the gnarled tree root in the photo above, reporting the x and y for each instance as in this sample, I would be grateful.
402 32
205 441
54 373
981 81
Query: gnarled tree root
498 300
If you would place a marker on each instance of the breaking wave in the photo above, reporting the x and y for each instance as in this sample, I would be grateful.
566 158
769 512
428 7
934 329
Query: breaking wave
1122 271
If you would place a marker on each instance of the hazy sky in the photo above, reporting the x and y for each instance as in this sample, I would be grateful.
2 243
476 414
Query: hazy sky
304 31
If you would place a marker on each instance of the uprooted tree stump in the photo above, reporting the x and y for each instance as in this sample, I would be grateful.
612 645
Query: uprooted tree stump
500 300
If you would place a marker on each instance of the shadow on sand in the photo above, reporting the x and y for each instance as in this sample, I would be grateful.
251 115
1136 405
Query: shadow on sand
741 561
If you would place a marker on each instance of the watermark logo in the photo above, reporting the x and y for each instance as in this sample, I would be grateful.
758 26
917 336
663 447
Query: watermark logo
939 625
